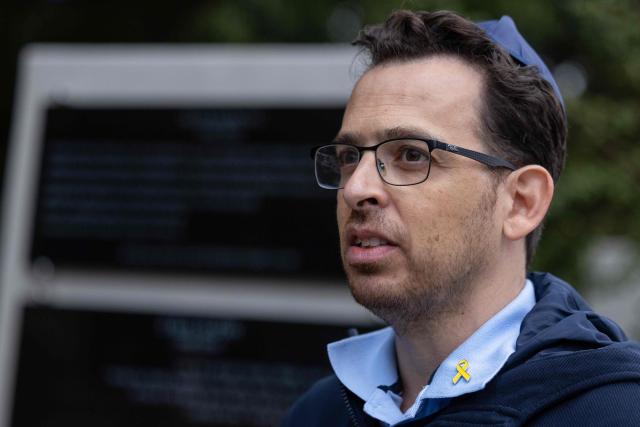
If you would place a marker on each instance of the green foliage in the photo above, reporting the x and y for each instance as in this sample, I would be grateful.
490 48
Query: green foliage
598 195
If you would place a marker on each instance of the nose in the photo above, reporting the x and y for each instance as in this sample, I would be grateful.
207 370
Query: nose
365 187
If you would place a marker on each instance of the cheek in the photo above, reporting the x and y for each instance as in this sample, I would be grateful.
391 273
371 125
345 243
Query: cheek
436 218
342 213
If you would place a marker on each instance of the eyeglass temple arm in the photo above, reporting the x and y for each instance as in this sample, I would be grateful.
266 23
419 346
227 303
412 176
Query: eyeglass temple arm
475 155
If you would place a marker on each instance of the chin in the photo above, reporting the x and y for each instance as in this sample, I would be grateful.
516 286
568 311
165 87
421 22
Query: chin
383 296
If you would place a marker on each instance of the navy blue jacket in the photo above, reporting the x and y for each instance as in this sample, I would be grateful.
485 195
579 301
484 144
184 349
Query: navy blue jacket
571 367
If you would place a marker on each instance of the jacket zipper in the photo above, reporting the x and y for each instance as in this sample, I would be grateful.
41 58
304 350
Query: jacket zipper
352 414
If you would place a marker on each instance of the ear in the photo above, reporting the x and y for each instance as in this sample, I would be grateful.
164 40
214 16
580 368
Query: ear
530 191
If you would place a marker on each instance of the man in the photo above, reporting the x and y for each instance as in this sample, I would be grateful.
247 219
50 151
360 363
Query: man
445 167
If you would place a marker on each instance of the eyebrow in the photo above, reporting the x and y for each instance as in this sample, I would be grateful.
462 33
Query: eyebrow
357 138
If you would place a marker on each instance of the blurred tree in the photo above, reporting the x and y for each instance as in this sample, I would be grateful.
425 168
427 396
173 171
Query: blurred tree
593 47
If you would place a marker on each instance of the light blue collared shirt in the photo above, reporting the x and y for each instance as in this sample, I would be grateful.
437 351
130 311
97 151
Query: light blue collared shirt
366 364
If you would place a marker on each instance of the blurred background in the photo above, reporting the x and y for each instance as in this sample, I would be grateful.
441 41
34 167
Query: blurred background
592 46
592 234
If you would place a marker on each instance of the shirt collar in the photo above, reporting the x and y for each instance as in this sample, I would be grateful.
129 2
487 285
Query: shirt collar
365 362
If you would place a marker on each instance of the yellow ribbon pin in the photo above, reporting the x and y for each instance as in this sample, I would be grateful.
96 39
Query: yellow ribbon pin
461 367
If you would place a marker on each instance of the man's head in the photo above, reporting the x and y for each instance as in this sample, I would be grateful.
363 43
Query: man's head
438 76
522 119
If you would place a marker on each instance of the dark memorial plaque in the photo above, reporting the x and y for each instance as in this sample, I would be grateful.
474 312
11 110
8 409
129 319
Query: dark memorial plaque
87 368
226 191
151 220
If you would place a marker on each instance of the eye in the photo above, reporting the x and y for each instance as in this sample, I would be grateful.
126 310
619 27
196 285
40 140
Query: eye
412 155
406 154
347 157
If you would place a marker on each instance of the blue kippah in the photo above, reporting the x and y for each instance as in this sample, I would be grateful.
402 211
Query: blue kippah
505 34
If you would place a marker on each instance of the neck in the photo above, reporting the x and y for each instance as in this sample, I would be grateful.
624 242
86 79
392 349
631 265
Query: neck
421 347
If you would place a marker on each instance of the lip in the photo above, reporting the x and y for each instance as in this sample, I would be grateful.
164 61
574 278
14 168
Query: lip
356 255
354 233
365 255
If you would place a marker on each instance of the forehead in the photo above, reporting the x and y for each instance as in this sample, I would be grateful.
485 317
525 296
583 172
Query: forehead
439 95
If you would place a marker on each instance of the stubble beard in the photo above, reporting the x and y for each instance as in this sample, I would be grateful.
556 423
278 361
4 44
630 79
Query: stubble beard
433 287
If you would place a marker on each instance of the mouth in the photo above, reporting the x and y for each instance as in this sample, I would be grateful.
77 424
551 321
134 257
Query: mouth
367 246
367 237
372 242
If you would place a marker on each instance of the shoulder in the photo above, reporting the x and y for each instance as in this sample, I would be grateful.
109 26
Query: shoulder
614 404
322 405
581 387
598 387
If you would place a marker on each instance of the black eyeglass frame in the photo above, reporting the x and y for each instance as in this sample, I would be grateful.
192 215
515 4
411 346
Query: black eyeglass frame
432 144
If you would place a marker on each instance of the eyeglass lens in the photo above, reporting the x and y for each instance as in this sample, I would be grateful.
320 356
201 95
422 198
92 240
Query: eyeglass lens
399 162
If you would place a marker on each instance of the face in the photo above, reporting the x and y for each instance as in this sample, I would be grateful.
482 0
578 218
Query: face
412 252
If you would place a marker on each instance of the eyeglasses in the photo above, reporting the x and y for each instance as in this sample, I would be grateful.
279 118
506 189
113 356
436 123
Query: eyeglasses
401 161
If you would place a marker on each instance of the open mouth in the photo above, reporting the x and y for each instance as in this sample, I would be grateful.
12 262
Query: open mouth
367 248
371 242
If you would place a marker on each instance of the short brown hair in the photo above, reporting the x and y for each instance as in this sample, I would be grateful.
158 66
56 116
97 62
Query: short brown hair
522 119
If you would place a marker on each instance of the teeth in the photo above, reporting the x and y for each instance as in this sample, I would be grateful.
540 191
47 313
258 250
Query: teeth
370 243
